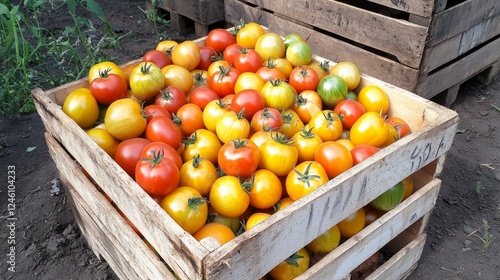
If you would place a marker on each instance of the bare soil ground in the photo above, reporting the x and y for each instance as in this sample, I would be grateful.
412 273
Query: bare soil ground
50 246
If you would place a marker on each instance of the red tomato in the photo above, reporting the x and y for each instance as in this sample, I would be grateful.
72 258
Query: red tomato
207 56
362 152
220 39
231 52
163 129
400 125
267 119
303 78
239 157
128 153
270 72
349 111
157 175
108 87
171 98
223 81
161 59
334 157
202 95
167 150
153 110
189 118
248 60
249 99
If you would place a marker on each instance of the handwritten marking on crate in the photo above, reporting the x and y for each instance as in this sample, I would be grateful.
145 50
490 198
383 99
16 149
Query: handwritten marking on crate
421 154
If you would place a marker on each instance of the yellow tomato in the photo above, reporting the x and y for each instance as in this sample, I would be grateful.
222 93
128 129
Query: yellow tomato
248 80
374 99
82 107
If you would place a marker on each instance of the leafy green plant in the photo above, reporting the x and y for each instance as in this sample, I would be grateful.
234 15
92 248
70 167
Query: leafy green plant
153 15
33 56
478 190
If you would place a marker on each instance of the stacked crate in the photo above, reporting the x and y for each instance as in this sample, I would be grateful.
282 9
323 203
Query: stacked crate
428 47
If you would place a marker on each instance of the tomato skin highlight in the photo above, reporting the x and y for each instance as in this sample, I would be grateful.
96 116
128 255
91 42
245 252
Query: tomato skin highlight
220 232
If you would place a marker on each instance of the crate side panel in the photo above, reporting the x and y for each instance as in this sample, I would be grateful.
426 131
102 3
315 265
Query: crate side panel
402 263
361 246
399 38
127 243
437 55
328 47
459 18
422 8
165 236
460 70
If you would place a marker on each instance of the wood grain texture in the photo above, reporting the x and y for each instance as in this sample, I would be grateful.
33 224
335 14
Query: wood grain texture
459 18
402 263
460 70
459 44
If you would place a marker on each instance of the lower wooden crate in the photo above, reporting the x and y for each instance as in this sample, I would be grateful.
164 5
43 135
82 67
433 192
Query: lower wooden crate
186 15
110 237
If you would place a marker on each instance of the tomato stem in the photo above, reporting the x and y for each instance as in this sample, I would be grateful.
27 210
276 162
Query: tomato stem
194 202
306 177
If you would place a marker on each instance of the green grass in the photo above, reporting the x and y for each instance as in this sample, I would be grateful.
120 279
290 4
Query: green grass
33 56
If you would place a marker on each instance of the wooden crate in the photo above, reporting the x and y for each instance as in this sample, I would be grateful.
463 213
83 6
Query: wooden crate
185 15
260 249
112 239
427 47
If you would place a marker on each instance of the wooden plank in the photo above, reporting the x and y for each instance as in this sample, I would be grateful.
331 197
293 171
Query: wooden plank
402 263
327 46
89 200
460 70
437 55
202 11
372 238
459 18
89 230
399 38
166 236
422 8
489 74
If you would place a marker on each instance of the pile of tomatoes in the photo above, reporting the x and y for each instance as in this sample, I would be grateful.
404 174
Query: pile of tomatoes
224 134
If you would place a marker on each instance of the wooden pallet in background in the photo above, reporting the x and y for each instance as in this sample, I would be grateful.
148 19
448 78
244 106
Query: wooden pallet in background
427 47
186 15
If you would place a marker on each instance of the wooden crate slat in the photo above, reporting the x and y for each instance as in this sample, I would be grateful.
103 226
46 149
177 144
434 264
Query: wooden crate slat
365 27
358 248
129 197
111 226
328 47
202 11
459 18
461 43
402 263
422 8
469 66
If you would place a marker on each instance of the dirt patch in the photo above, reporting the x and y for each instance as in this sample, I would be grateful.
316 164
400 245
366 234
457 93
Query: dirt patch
50 246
